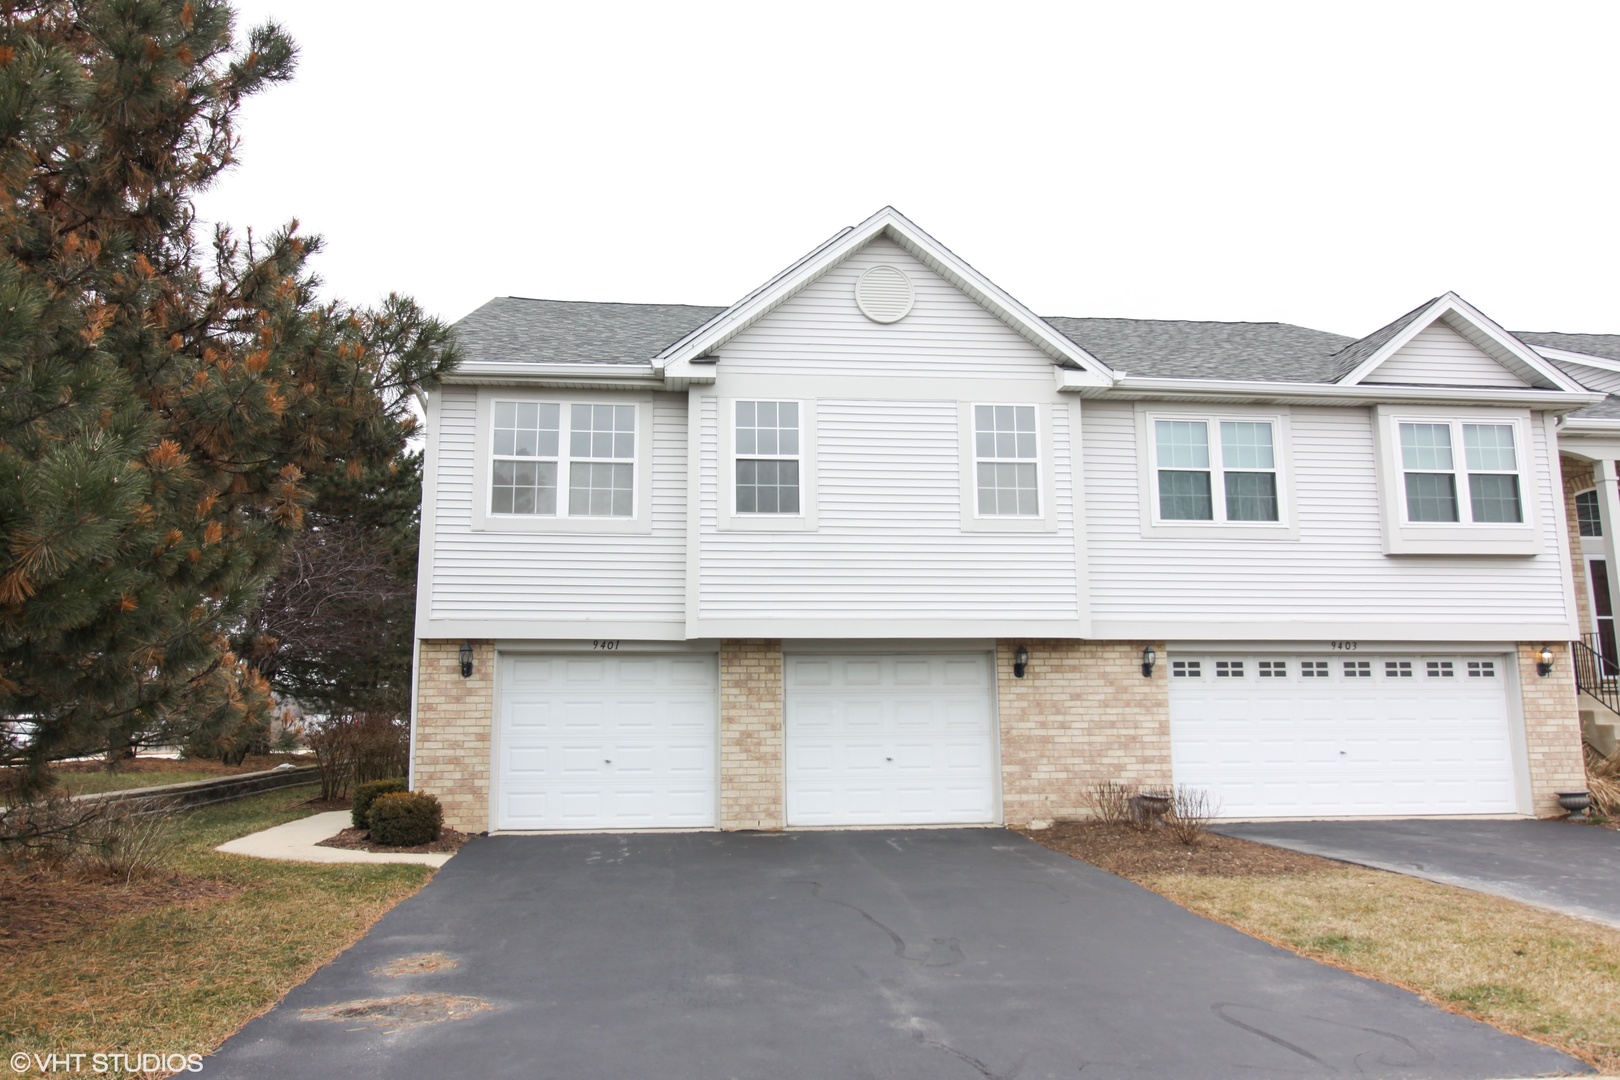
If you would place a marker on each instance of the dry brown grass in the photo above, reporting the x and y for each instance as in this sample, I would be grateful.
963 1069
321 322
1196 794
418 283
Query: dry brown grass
1603 781
180 977
1535 973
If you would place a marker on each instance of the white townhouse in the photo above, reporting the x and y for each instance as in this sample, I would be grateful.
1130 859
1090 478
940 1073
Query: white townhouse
877 545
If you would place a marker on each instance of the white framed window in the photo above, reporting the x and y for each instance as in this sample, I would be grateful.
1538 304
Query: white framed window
1454 471
1458 482
554 463
1221 471
1006 461
766 463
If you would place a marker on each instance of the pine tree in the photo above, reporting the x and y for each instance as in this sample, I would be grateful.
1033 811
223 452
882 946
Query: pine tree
168 407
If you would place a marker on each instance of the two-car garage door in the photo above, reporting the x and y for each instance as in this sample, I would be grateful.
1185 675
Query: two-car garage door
1276 735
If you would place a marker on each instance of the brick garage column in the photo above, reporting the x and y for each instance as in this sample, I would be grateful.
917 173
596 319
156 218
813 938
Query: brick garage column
454 720
751 734
1082 713
1552 727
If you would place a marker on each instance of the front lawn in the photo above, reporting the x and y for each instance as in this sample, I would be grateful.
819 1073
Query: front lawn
178 977
1549 977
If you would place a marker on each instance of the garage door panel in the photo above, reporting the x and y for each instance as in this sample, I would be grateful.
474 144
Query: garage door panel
889 740
1376 735
606 742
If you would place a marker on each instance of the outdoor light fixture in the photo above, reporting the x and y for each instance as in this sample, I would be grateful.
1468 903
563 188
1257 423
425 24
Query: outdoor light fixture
1148 658
1544 667
1020 662
466 660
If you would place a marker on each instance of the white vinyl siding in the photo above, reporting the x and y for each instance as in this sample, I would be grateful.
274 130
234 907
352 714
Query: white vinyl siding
890 543
553 577
1336 570
1439 356
821 331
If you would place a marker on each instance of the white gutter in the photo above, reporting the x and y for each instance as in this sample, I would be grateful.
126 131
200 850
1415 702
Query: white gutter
607 376
1133 387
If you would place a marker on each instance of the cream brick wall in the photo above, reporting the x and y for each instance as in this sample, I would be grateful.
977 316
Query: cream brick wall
751 711
454 719
1552 728
1082 713
1577 478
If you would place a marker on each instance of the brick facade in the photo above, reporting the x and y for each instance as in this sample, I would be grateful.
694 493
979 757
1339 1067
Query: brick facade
751 717
1552 730
454 720
1578 477
1082 713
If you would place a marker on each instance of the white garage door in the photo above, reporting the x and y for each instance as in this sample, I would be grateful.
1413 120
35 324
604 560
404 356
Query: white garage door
606 741
890 740
1373 735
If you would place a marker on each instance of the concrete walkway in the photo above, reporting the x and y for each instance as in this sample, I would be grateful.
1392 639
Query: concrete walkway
298 841
1573 869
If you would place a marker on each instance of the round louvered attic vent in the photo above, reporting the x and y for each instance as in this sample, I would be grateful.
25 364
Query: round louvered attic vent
884 294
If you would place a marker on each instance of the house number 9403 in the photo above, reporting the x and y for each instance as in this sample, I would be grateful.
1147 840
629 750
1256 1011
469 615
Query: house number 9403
1343 646
609 645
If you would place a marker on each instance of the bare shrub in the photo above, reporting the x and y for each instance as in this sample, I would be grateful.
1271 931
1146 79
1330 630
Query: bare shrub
123 839
1109 802
354 748
132 839
331 739
1603 780
1191 811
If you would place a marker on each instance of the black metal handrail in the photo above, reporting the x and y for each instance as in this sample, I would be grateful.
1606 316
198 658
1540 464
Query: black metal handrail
1596 676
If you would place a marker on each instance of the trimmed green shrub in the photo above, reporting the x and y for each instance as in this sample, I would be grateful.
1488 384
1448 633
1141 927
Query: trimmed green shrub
367 793
405 819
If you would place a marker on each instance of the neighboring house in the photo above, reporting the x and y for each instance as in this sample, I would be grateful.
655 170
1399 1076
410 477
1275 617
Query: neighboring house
1589 441
876 545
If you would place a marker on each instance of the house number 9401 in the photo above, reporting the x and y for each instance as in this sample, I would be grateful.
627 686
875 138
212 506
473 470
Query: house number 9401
1343 646
609 645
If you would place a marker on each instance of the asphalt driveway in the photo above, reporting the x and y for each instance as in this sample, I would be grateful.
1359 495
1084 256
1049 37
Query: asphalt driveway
917 954
1553 864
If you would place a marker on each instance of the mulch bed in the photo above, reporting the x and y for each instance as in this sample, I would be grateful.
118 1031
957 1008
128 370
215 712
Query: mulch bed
39 905
360 840
1134 853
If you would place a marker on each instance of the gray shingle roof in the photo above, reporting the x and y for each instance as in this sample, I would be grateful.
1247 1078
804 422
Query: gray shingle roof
1604 345
1174 349
517 330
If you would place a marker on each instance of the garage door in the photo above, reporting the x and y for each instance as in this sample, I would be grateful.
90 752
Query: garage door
1374 735
606 741
890 740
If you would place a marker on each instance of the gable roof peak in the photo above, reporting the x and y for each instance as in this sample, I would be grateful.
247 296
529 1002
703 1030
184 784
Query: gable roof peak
890 223
1358 360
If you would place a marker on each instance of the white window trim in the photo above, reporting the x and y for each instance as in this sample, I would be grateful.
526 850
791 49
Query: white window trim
729 520
1465 537
1286 527
1045 488
483 520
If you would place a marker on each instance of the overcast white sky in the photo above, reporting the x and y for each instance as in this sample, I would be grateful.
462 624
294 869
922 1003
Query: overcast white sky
1329 164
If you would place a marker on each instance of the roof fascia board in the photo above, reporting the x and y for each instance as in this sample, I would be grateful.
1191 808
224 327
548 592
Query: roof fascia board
1596 425
1503 346
1603 363
888 221
579 376
1130 388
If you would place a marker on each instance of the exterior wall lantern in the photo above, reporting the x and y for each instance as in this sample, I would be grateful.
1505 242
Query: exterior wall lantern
1149 658
1020 662
1545 661
466 660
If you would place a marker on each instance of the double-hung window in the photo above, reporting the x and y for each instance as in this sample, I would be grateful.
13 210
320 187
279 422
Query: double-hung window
548 459
1455 471
1218 471
767 455
1006 460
